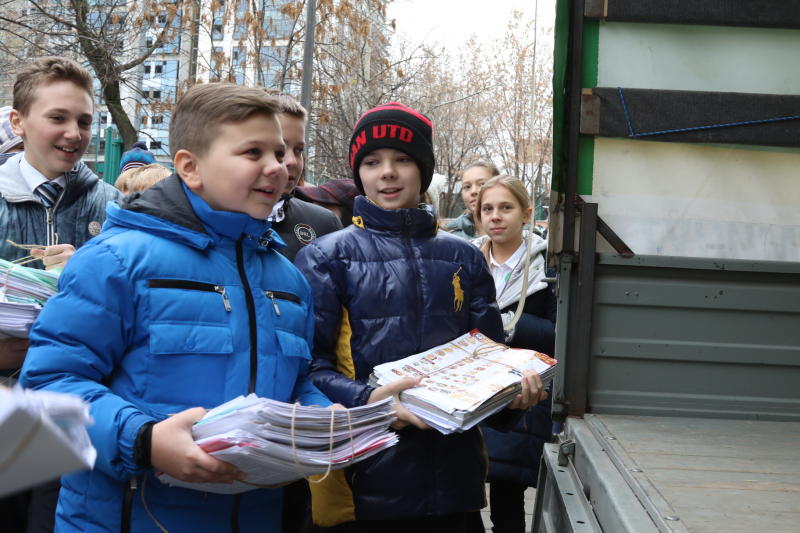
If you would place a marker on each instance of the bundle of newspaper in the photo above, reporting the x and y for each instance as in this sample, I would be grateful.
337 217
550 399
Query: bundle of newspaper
275 443
464 380
23 292
43 436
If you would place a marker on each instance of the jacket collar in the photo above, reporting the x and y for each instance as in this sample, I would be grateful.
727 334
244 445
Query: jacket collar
170 210
226 224
14 189
465 223
415 222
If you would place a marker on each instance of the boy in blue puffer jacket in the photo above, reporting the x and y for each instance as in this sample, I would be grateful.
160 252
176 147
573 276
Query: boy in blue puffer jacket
387 287
191 308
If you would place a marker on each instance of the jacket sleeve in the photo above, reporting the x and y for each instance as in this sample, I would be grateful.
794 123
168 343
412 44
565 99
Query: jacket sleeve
536 328
78 341
320 271
483 310
304 390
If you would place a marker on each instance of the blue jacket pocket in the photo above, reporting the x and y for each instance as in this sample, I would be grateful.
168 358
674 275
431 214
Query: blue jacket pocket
292 345
182 338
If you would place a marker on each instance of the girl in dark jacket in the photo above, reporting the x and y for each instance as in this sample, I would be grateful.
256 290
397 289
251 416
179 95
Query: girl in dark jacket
385 288
511 253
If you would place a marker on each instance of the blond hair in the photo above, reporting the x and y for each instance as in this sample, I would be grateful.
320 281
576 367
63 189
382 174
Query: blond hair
289 105
493 170
205 107
44 71
140 178
517 190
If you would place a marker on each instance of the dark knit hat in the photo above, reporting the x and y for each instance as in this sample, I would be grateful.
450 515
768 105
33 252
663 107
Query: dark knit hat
137 156
397 126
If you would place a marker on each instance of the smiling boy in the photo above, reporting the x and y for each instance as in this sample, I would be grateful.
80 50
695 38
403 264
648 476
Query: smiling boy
387 287
47 196
195 307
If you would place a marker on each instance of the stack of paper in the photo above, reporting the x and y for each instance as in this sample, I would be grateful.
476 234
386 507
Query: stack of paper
23 292
43 436
275 443
463 381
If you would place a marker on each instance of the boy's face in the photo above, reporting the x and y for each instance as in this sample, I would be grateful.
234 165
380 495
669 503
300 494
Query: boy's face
57 128
243 169
391 178
294 136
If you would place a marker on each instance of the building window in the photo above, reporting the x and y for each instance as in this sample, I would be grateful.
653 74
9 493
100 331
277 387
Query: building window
157 119
217 30
159 68
144 120
155 145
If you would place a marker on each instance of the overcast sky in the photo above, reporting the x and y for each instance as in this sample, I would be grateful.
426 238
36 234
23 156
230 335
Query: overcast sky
451 22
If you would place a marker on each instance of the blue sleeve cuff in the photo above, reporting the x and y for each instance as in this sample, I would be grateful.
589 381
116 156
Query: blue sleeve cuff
127 443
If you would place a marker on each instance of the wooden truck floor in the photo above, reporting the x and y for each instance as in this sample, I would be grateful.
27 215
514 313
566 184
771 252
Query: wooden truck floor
692 475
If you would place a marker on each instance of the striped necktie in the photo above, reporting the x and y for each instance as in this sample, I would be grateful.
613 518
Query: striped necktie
48 193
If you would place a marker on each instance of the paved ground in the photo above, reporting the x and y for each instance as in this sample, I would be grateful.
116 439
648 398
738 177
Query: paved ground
530 497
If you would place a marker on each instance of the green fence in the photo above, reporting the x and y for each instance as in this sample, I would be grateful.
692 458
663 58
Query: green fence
108 169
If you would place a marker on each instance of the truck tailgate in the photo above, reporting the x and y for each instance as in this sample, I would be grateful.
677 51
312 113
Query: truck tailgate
648 473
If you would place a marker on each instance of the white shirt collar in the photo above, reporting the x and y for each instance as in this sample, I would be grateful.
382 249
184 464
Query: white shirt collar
278 212
34 178
501 272
512 261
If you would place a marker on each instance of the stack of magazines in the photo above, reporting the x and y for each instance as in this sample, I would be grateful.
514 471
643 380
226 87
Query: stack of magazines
43 436
275 443
23 292
463 381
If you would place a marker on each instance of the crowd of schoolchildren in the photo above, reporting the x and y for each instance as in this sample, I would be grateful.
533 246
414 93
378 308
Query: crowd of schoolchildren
182 290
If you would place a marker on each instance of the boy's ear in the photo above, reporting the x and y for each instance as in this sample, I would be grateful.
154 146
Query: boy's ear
187 168
15 118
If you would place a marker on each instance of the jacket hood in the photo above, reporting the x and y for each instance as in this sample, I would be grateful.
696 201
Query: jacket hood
162 210
416 221
536 270
13 187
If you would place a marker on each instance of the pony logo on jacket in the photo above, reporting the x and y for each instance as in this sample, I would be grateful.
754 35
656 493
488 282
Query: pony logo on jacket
458 292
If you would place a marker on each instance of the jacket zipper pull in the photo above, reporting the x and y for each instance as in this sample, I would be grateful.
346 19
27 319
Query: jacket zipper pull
133 484
221 290
271 296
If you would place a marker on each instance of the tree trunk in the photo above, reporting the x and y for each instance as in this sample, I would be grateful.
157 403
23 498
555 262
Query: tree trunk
111 94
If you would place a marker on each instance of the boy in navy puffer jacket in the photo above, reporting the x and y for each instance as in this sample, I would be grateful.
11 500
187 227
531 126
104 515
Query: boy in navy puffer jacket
387 287
180 304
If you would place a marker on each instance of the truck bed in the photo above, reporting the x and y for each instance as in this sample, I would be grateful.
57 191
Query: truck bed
650 473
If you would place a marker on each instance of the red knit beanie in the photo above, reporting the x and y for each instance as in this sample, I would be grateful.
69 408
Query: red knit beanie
397 126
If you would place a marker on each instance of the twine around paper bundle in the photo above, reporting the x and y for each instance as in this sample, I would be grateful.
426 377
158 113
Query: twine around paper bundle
294 451
330 446
28 258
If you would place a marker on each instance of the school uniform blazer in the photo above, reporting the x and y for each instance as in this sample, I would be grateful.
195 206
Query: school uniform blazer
175 305
77 217
387 287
